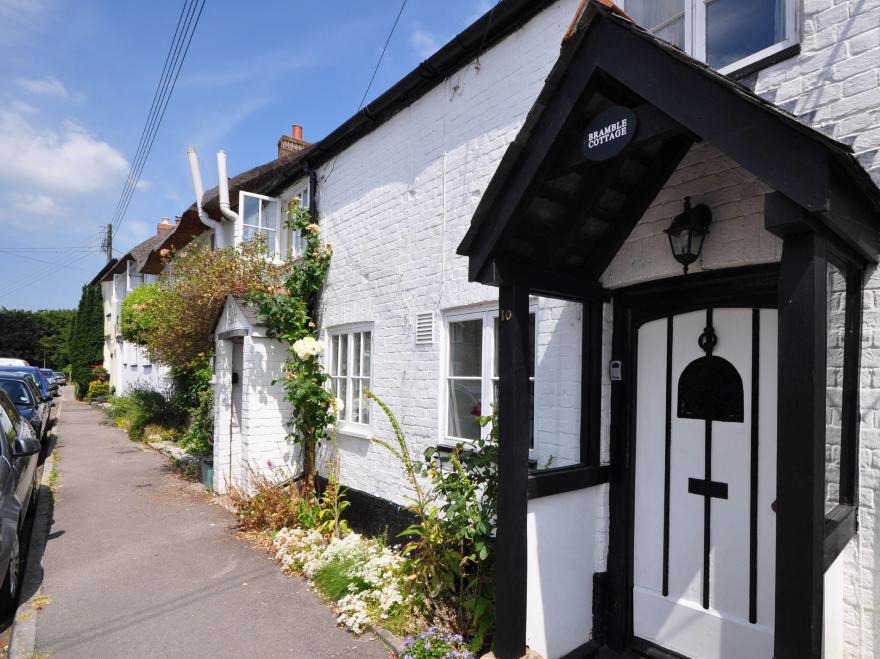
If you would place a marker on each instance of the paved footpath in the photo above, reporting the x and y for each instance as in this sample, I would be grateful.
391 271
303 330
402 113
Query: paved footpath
140 564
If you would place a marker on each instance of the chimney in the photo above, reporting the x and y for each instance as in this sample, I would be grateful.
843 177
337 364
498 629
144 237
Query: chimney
291 144
164 226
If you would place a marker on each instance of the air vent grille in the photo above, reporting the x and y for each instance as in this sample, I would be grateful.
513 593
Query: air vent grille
425 328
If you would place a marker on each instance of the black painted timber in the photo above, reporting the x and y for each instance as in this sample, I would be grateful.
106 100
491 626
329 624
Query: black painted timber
800 448
513 466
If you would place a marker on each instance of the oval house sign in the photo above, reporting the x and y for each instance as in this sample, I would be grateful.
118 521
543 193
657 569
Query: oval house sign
608 133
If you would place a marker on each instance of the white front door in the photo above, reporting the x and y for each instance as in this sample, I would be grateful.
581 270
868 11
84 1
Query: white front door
705 479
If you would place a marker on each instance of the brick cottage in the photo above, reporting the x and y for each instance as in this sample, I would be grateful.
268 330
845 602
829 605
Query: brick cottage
689 462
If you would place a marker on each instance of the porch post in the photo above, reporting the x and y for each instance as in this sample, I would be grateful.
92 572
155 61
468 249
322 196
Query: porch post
801 447
513 466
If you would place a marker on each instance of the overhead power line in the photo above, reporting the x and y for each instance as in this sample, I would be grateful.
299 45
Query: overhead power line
187 23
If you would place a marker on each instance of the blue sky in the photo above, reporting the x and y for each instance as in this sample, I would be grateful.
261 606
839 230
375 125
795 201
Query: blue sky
78 78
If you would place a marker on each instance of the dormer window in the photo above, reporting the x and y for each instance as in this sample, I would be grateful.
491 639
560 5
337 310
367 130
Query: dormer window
261 216
728 35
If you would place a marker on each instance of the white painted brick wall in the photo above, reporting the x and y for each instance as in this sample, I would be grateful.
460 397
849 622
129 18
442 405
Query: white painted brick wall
834 86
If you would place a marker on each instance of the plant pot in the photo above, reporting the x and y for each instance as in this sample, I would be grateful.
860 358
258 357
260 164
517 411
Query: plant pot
207 465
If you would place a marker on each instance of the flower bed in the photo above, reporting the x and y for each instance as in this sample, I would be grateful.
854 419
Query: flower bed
364 578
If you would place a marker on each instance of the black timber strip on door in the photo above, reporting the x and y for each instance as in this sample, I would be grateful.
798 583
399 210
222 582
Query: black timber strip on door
753 482
667 457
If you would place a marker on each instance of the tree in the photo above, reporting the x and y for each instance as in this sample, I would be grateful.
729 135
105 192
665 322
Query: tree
54 337
19 335
86 344
40 337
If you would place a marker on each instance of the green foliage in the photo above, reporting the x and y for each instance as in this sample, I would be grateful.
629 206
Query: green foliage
338 578
146 406
37 336
176 319
138 320
289 314
86 344
452 545
194 399
98 390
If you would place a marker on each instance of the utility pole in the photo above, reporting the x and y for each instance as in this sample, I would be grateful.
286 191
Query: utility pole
107 243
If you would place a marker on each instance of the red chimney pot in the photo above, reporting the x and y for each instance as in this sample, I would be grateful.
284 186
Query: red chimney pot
297 132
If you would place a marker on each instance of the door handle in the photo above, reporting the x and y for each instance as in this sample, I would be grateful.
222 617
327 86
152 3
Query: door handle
773 506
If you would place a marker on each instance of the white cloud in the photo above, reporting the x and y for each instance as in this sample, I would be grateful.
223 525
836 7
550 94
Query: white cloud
18 19
48 86
37 204
424 43
143 184
57 161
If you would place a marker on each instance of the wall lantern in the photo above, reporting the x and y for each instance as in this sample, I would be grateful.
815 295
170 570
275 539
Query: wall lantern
688 231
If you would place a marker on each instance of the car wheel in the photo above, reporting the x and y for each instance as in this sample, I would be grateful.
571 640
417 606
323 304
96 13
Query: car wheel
11 584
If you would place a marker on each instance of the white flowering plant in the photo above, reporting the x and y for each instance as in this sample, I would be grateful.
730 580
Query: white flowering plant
365 579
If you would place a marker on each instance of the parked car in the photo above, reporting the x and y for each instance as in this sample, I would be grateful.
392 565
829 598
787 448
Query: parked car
26 398
12 361
19 448
60 378
46 390
52 379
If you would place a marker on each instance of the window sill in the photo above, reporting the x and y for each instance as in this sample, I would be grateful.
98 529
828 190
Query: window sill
356 432
841 525
748 68
566 479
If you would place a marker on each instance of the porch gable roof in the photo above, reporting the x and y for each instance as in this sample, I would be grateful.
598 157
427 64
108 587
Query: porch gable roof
550 211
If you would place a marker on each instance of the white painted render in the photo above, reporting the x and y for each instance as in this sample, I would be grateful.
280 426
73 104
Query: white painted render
396 203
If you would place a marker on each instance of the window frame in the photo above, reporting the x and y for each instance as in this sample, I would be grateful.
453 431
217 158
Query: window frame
841 522
489 318
355 428
695 40
276 248
293 243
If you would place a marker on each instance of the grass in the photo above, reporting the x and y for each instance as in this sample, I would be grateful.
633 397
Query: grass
54 476
334 579
40 602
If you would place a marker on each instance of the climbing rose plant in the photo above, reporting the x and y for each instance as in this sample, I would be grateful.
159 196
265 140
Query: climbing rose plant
289 312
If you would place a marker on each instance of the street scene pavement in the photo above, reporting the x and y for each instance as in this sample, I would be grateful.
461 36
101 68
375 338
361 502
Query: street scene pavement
140 563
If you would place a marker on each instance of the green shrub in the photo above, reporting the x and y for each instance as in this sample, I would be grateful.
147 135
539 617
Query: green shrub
149 406
137 318
194 399
97 390
86 340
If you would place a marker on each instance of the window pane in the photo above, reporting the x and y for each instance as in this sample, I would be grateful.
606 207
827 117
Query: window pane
466 348
269 213
249 233
343 354
356 400
663 18
334 352
365 403
367 352
356 354
270 242
464 407
738 28
251 214
836 310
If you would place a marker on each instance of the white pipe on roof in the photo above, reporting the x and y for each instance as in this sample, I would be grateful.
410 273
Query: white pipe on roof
199 192
223 187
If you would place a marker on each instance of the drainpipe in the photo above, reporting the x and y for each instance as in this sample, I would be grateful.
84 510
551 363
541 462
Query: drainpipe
200 193
223 187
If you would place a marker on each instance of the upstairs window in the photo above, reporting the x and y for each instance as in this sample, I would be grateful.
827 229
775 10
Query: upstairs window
295 243
261 216
726 34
